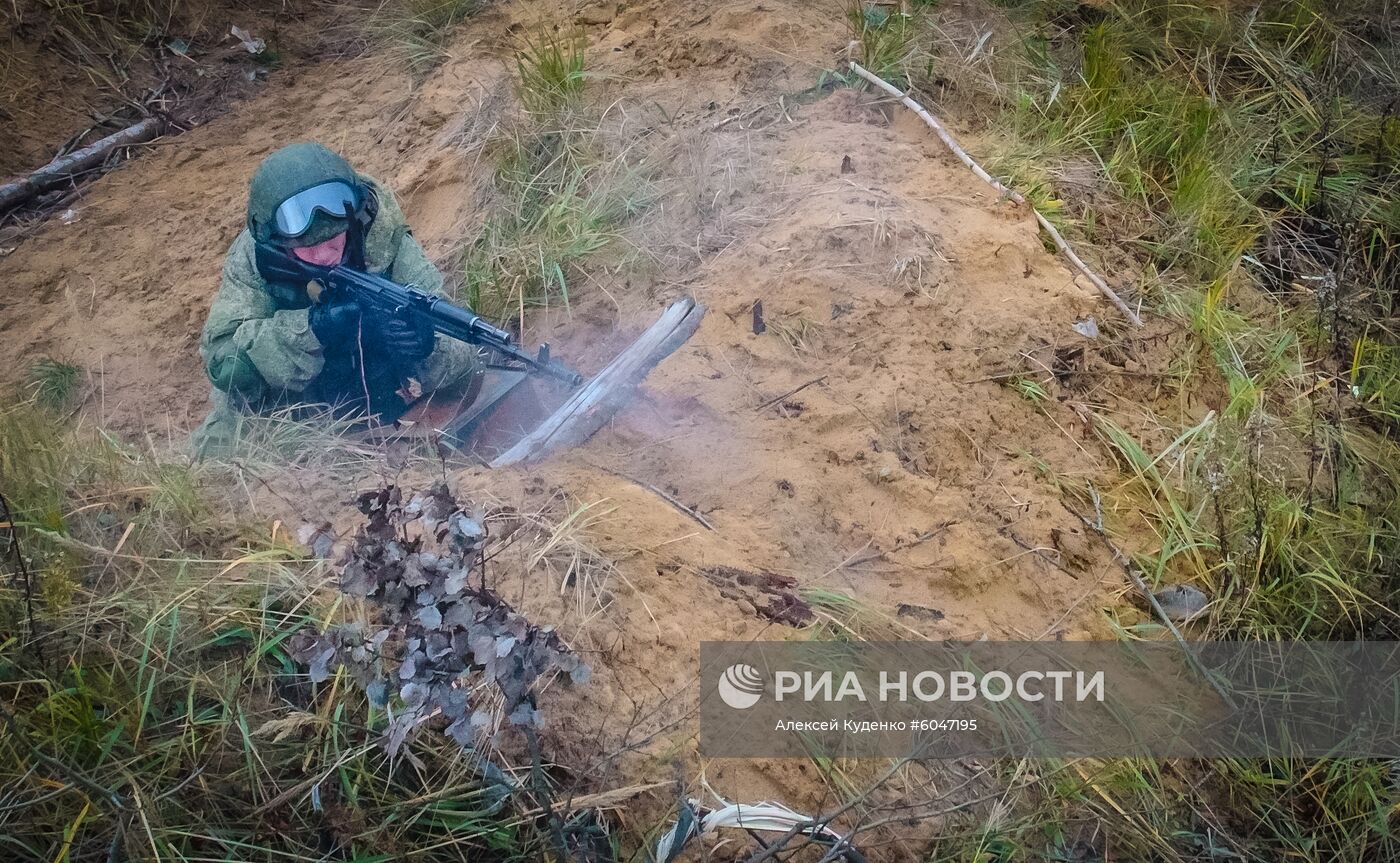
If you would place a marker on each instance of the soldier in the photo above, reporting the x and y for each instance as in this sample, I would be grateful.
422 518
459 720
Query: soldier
269 344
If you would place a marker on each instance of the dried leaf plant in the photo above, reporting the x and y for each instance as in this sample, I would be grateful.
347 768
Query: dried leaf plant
434 638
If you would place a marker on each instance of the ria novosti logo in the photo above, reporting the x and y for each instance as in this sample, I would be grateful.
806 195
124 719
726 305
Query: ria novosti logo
740 686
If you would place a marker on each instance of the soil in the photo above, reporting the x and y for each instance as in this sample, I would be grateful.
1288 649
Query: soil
74 74
863 443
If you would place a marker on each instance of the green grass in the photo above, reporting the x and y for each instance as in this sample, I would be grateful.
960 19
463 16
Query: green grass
884 40
1375 378
1282 562
560 201
550 67
54 384
564 189
149 701
1140 809
1246 157
1227 127
1029 389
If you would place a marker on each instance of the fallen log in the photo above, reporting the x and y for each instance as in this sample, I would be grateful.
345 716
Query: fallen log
606 392
65 168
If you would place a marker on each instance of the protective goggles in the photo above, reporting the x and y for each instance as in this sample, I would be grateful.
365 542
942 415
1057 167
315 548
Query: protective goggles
293 218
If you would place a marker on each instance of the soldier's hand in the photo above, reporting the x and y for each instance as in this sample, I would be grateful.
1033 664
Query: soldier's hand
406 340
334 323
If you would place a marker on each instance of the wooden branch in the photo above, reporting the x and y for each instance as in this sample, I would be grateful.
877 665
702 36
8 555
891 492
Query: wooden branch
595 402
977 169
792 392
1088 273
1131 569
697 517
736 118
64 168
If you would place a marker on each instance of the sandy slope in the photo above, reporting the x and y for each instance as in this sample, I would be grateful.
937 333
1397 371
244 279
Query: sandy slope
903 478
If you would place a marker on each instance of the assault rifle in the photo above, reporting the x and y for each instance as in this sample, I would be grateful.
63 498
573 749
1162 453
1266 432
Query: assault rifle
377 295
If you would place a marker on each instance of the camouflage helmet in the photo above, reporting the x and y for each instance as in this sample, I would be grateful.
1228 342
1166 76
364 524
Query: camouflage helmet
288 171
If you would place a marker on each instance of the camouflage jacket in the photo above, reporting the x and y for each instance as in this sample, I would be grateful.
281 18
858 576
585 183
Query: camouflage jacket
257 343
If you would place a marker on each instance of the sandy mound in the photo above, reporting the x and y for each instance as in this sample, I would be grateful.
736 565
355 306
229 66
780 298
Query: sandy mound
901 477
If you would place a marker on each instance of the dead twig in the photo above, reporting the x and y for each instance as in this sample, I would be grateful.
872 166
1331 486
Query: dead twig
977 169
867 556
736 118
1038 551
7 521
792 392
685 510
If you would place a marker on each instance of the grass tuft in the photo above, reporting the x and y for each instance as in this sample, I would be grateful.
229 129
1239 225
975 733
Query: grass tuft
54 384
419 29
883 38
551 72
1375 379
563 190
104 36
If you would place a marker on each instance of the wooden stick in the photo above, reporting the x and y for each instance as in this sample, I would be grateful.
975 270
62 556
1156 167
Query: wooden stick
977 169
859 558
1088 273
1142 588
699 519
736 118
595 402
792 392
63 169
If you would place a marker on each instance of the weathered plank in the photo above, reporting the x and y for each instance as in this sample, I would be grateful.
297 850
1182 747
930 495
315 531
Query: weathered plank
604 395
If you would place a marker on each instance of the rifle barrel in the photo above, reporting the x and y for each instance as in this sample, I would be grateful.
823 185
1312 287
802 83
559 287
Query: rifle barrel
389 297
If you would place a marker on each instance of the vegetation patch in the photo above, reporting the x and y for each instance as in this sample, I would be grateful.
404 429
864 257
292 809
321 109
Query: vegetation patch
1246 158
1260 146
419 29
563 188
883 40
151 701
54 384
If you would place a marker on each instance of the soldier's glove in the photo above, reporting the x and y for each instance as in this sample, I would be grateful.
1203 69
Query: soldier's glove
404 340
334 324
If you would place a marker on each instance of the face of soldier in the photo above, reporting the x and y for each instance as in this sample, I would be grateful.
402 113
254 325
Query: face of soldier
324 254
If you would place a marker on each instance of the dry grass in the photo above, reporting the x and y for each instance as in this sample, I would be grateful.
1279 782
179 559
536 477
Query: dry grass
1252 144
551 550
419 30
151 702
565 184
